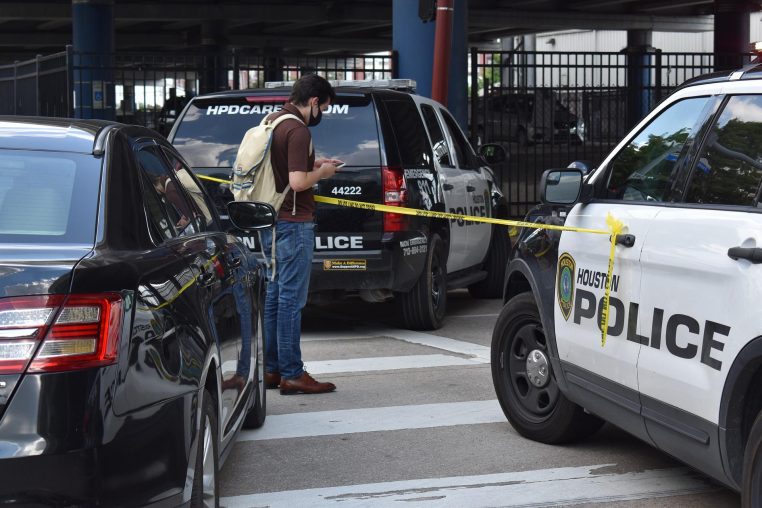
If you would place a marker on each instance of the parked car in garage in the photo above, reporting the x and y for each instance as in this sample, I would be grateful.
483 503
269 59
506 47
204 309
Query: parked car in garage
130 322
527 117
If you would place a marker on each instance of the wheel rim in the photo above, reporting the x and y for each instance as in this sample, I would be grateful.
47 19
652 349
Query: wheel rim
527 371
437 282
210 483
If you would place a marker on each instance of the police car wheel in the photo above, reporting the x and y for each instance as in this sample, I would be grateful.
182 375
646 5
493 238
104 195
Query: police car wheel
494 265
524 380
423 307
255 418
751 494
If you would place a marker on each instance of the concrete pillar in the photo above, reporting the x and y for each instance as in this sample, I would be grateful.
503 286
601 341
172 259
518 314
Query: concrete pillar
507 44
731 34
93 54
527 69
639 83
214 76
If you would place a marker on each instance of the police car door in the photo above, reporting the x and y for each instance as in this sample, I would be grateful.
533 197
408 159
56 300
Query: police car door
700 298
453 183
477 193
630 185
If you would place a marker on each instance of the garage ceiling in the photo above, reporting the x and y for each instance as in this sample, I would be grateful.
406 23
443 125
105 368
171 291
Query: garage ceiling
29 27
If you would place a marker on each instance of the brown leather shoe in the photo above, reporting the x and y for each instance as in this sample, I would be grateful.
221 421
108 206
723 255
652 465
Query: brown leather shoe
272 380
304 384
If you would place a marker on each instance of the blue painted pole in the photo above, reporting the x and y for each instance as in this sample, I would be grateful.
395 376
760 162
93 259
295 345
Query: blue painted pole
93 51
414 41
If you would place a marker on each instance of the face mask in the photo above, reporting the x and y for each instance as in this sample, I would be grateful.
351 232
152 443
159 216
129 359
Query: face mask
315 119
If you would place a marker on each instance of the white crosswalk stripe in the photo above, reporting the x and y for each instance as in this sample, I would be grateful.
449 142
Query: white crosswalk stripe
355 421
545 487
389 363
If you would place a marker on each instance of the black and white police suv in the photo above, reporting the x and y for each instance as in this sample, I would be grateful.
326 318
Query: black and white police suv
682 365
400 149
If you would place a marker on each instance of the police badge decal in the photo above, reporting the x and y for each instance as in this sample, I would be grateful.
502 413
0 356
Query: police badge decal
565 284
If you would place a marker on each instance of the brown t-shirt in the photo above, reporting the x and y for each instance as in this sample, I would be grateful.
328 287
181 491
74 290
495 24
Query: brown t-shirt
291 152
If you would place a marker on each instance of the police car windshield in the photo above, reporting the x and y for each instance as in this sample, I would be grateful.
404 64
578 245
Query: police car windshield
48 197
209 133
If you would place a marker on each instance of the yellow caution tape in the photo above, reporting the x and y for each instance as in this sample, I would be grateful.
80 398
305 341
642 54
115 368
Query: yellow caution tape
212 179
615 228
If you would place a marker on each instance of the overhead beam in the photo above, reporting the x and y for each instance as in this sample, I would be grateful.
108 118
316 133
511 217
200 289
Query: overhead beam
54 24
264 13
597 4
509 20
675 4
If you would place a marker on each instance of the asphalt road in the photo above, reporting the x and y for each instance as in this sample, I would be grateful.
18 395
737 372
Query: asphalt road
414 422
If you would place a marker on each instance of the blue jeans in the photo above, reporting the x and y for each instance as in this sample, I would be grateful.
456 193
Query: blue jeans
287 295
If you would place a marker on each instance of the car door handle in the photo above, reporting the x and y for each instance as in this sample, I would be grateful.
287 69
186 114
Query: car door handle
470 188
625 240
447 186
753 254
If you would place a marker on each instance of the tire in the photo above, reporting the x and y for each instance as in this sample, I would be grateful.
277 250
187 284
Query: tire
494 265
423 307
255 418
541 413
751 488
206 482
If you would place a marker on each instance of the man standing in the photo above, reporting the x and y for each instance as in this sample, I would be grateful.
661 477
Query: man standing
294 164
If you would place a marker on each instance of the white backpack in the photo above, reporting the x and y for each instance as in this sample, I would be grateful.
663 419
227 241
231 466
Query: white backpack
253 175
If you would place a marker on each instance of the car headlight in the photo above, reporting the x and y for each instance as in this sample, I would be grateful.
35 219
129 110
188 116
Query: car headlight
581 129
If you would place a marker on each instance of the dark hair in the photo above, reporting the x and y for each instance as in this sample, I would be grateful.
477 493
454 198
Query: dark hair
311 85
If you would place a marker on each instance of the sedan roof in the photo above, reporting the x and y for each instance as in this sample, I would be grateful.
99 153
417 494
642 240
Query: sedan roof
54 134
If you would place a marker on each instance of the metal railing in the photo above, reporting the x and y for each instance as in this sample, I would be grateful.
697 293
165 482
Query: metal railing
150 88
551 108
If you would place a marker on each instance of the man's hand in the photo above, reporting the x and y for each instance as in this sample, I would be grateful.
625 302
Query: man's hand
327 170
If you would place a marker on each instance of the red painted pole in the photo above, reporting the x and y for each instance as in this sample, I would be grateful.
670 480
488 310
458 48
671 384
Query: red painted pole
442 50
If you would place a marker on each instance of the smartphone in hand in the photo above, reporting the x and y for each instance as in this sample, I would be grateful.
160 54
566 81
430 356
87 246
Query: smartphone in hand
339 164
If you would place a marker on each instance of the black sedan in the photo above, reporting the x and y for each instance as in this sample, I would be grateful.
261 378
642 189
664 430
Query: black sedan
130 322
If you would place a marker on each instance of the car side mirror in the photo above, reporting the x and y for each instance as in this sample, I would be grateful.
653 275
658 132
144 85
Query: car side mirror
561 186
251 215
493 153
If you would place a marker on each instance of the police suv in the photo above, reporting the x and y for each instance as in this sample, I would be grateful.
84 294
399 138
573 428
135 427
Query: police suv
400 149
682 365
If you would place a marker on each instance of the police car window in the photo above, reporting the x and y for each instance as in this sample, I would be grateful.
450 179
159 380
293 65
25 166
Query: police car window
48 197
411 136
644 169
166 205
438 141
463 152
193 190
729 170
209 133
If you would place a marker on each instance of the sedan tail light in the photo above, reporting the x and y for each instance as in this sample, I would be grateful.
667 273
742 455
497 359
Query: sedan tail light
58 333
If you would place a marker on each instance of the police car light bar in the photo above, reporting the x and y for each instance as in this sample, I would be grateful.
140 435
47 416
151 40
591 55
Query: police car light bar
394 84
